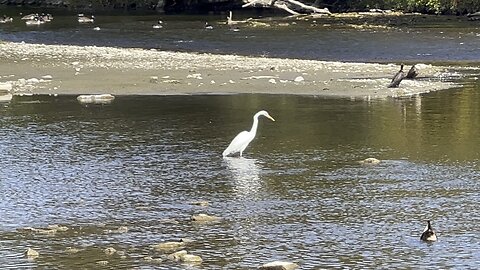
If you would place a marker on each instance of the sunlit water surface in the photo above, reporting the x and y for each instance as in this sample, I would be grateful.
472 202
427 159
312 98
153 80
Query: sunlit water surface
298 194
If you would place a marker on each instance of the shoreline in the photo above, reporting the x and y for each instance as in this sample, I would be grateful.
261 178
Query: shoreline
74 70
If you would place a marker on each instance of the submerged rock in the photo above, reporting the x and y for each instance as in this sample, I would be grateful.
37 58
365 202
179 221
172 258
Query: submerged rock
177 256
299 79
168 246
152 260
189 258
58 228
6 97
204 218
199 203
109 251
279 265
370 161
121 229
31 253
184 257
6 87
70 250
96 99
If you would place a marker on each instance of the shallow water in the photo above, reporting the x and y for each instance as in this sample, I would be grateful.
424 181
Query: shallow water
415 38
299 194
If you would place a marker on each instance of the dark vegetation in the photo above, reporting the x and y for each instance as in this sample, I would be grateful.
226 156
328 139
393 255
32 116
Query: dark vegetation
450 7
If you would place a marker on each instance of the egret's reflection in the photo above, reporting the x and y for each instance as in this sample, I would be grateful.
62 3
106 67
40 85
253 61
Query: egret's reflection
245 172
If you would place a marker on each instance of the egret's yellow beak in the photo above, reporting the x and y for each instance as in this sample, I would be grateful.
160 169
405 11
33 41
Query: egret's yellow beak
271 118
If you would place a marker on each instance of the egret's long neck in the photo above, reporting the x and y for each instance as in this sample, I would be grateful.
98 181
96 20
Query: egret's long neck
253 130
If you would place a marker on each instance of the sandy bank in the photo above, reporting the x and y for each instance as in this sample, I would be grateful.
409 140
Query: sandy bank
62 69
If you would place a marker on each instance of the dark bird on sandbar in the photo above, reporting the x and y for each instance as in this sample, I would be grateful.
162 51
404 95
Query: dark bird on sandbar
412 73
428 233
397 78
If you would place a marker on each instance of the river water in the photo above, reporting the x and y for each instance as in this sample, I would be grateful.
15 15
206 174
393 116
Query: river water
410 38
299 193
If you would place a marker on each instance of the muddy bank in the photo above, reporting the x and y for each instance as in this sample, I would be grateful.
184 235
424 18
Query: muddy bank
61 69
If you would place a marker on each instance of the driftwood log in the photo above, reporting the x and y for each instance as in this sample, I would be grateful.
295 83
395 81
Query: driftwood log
293 7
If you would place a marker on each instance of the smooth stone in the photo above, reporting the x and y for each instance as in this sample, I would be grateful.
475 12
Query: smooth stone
154 79
121 229
370 161
102 262
109 251
168 246
102 98
58 228
189 258
204 218
200 203
299 79
71 250
33 80
47 77
177 256
6 87
279 265
30 253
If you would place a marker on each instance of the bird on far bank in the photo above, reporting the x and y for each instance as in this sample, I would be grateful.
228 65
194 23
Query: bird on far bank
428 233
6 19
208 26
241 141
158 25
31 16
84 19
412 73
397 78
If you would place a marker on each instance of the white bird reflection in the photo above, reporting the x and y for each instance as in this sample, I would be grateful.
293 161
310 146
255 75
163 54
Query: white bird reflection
245 172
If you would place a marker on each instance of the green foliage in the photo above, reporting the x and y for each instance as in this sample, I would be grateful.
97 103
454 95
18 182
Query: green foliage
423 6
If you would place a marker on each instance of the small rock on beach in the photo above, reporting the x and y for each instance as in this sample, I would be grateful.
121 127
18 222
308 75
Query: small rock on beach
279 265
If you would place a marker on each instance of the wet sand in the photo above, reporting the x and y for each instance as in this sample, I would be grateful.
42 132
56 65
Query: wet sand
73 70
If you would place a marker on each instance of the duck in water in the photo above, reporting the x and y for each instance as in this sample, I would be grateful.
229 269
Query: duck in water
208 26
397 78
428 233
158 25
84 19
6 19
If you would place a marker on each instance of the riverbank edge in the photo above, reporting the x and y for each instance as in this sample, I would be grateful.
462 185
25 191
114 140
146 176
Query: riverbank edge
73 70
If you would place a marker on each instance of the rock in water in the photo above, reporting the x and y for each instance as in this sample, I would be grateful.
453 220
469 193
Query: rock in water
96 99
279 265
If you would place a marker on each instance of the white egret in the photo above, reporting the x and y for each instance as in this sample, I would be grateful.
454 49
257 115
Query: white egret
241 141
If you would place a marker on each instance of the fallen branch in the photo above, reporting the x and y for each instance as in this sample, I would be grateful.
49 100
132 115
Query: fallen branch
286 5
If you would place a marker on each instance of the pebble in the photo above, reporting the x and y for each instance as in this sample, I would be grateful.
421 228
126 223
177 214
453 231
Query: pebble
31 253
279 265
6 87
109 251
204 218
299 79
370 161
189 258
200 203
70 250
102 262
177 256
154 79
168 246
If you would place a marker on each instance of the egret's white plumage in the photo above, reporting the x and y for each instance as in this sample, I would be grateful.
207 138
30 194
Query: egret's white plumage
241 141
